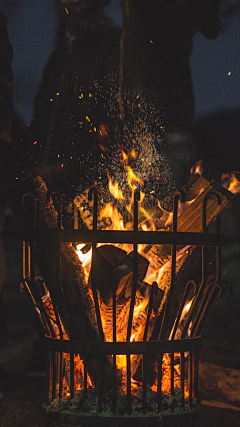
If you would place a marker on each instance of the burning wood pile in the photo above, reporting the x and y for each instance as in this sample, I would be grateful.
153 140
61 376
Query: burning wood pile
123 306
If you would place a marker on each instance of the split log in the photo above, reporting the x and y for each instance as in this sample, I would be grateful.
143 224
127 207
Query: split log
191 219
69 293
190 268
115 280
47 257
81 313
47 253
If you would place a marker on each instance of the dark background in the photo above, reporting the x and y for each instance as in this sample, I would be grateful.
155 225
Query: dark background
33 26
215 66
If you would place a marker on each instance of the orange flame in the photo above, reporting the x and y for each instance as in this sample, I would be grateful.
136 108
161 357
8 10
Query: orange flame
197 168
114 189
231 182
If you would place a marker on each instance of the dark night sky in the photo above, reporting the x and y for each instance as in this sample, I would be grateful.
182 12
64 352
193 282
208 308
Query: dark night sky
32 25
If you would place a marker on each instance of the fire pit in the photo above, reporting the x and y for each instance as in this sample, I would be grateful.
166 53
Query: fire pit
121 350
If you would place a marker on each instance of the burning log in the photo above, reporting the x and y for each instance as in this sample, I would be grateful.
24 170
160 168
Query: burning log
207 205
81 313
75 291
214 197
114 265
69 293
196 218
115 280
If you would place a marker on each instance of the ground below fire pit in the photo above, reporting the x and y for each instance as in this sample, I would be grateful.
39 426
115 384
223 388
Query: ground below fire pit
21 405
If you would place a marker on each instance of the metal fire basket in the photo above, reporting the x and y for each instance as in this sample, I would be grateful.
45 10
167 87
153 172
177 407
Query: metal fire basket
186 349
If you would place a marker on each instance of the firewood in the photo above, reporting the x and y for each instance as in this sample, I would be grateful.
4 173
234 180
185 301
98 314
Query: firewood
188 268
77 297
81 313
69 294
47 255
114 266
115 279
191 219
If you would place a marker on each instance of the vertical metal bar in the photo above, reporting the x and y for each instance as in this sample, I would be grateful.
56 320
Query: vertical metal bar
153 290
164 331
59 272
32 265
84 376
114 385
135 265
172 373
57 373
131 308
24 259
134 287
162 334
190 378
144 383
31 247
144 359
195 374
114 356
93 193
75 217
72 386
48 376
101 386
29 261
182 361
218 252
60 375
159 386
54 374
129 397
